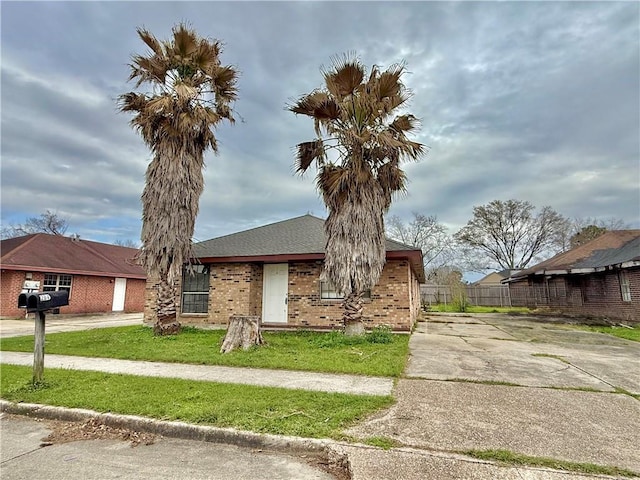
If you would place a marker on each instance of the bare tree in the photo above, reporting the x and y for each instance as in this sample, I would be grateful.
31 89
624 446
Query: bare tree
580 230
126 243
48 222
510 234
427 234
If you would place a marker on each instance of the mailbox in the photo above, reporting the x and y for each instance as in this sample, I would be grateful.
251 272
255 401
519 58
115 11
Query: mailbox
43 301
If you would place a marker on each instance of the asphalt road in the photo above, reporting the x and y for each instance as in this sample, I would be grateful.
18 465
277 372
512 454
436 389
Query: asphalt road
24 456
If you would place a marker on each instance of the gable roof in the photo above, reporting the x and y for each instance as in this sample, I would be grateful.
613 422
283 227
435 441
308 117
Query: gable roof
42 252
297 238
616 248
495 278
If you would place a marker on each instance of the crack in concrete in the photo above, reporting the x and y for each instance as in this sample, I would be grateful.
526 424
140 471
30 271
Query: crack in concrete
22 455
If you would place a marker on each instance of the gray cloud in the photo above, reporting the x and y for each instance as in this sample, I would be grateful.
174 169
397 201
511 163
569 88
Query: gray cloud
534 101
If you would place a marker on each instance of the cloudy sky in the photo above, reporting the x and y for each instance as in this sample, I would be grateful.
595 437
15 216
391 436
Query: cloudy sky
531 101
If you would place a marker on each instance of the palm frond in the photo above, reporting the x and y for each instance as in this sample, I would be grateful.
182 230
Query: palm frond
344 77
327 110
404 123
389 84
185 42
151 41
307 104
307 153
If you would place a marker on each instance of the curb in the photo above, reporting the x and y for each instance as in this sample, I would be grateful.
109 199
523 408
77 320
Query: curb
325 449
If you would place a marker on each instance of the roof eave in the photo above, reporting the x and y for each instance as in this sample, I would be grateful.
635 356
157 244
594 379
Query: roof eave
33 268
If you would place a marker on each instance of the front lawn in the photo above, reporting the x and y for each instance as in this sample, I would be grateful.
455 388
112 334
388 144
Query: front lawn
258 409
308 351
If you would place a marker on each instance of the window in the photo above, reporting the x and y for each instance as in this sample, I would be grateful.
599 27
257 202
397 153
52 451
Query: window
195 289
329 292
625 287
54 283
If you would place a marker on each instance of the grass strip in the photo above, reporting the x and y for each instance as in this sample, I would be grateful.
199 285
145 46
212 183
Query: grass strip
258 409
627 333
548 355
511 458
451 308
307 351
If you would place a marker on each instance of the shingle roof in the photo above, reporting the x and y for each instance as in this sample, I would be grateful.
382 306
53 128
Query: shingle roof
297 236
612 248
58 254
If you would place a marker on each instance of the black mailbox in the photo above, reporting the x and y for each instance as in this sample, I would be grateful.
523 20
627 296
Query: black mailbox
43 301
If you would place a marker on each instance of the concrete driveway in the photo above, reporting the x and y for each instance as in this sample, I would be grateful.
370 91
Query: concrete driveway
496 382
516 350
63 323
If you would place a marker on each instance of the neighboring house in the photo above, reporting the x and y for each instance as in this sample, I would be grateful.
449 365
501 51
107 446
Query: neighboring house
273 272
599 278
495 278
99 277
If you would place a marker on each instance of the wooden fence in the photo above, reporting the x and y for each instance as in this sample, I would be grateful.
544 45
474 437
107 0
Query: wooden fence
481 295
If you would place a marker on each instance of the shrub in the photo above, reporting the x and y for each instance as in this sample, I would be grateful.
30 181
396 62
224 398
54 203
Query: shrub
380 334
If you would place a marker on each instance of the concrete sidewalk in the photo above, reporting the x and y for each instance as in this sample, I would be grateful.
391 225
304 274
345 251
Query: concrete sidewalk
322 382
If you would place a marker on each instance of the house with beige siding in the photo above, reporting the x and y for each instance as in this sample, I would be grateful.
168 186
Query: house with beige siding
273 272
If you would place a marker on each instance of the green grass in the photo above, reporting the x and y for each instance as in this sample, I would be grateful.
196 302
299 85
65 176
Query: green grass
449 308
511 458
308 351
258 409
621 332
385 443
548 355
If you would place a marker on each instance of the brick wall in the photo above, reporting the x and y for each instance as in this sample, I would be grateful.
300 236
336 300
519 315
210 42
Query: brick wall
597 294
11 283
89 294
134 296
236 288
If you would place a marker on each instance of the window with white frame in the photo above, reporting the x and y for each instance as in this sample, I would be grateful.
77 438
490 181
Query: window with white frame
625 287
328 292
54 283
195 289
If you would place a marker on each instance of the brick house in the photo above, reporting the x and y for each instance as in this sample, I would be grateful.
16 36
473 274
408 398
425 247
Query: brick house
600 278
273 272
100 278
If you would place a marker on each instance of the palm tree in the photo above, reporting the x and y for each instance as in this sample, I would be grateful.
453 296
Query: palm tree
359 146
191 92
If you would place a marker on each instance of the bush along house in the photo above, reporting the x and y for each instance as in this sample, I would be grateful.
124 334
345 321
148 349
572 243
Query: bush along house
273 272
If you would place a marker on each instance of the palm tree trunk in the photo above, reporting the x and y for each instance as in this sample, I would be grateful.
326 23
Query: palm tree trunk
166 318
352 316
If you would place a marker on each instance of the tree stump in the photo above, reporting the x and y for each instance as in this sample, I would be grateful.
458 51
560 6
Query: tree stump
243 332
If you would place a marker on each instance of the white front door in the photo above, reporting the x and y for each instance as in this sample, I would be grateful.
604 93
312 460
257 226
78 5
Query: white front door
275 285
119 291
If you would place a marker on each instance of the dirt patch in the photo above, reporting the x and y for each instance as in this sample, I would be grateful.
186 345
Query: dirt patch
336 465
65 432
